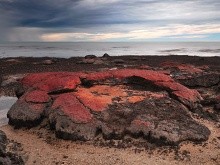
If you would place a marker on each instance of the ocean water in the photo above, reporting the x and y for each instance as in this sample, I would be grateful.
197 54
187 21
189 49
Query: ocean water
5 105
79 49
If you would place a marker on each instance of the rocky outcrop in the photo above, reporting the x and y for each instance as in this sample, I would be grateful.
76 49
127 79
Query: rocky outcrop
114 103
8 158
203 80
188 68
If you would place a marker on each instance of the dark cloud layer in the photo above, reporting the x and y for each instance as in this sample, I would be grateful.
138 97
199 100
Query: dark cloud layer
68 13
87 14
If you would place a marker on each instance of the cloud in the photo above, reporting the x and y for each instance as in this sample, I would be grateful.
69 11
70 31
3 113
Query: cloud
95 20
172 31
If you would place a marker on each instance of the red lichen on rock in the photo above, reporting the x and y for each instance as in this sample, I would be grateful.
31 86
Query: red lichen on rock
135 99
37 97
140 123
126 73
182 67
98 76
149 75
51 82
35 78
155 77
155 95
181 91
97 98
144 67
70 105
37 107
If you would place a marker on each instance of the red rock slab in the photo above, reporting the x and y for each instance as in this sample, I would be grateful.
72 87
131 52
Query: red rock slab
98 76
125 73
182 92
54 84
51 82
157 78
149 75
37 97
35 78
70 105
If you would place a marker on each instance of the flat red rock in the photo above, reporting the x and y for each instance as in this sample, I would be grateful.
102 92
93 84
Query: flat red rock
37 97
71 106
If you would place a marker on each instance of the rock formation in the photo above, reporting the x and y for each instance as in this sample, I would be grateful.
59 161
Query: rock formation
115 103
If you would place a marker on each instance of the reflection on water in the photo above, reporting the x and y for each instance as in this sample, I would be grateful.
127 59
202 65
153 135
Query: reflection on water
5 105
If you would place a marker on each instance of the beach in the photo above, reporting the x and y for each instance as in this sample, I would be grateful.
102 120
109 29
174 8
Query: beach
39 145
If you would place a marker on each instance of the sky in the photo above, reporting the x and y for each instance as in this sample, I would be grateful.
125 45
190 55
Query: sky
109 20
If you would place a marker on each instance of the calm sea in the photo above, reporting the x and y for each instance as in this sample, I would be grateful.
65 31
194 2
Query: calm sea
73 49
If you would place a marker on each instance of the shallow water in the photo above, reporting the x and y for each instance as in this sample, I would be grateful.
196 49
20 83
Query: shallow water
75 49
5 105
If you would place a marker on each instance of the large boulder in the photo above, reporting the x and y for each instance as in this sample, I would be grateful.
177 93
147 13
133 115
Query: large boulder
29 109
113 103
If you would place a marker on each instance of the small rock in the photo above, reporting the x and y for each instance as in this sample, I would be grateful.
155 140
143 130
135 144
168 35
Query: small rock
13 60
106 55
119 61
98 62
217 107
47 62
7 80
88 61
65 156
90 56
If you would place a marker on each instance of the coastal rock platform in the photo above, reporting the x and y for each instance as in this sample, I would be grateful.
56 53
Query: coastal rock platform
152 104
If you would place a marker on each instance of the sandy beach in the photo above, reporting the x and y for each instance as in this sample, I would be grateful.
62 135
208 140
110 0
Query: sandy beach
39 145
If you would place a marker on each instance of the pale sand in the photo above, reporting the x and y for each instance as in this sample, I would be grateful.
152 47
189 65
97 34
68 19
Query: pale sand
40 147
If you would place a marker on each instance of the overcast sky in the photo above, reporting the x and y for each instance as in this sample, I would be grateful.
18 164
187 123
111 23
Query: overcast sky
110 20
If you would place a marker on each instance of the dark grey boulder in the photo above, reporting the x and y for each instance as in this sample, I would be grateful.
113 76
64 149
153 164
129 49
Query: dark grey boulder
106 55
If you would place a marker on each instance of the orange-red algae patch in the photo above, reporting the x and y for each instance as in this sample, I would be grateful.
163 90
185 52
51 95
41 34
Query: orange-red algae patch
71 106
98 97
37 97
